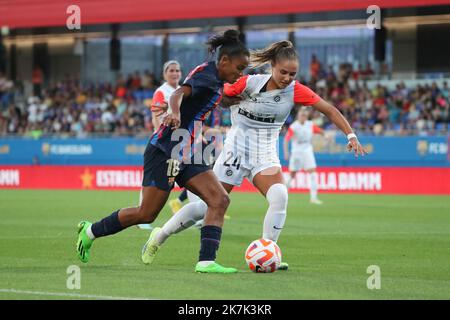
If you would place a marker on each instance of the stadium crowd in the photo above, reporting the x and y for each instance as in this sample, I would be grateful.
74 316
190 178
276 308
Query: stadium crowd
70 108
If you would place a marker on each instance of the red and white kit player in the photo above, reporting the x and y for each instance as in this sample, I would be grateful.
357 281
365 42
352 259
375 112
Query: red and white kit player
301 157
160 106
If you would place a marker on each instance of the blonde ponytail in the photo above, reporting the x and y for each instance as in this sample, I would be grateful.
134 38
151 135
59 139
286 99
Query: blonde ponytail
276 51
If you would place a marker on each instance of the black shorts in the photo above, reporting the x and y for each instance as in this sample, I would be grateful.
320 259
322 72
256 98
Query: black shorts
162 172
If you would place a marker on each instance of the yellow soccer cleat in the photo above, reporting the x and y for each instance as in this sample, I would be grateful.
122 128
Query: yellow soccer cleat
150 248
175 205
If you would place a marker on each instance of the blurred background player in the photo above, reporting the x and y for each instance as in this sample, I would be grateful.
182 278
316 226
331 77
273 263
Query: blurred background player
160 104
300 133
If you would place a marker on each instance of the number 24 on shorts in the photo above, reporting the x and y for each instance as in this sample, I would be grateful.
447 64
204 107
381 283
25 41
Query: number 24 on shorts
236 162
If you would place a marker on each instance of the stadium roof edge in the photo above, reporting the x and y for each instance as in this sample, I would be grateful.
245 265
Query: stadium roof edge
399 17
46 13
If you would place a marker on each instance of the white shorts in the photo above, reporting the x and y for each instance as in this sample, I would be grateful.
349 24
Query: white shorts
233 172
304 160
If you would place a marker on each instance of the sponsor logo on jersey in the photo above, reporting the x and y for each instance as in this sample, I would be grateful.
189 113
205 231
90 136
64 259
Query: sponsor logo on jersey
252 116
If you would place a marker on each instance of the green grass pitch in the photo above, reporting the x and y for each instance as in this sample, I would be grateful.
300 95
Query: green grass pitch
328 247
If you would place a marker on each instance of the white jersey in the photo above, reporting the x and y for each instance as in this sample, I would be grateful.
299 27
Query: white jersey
251 145
301 136
257 120
302 154
161 97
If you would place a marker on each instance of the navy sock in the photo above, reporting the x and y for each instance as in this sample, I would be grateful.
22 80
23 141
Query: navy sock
107 226
183 196
210 241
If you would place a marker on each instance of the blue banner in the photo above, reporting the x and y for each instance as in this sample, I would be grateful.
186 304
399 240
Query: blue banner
98 151
411 151
384 151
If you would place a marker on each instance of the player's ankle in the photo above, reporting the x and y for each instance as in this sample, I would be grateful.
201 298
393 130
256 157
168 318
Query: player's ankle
205 264
161 237
89 233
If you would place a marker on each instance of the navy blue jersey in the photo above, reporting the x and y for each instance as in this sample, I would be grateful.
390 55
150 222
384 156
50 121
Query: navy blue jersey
206 94
214 119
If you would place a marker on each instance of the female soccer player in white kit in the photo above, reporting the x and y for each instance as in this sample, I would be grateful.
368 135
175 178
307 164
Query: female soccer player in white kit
251 146
160 106
300 134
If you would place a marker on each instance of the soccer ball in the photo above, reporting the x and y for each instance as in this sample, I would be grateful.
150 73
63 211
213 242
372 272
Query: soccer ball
263 255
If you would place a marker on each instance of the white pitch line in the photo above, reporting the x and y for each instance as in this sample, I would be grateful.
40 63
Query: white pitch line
75 295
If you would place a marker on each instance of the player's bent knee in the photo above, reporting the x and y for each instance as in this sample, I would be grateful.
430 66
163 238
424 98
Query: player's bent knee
221 201
277 196
225 201
146 216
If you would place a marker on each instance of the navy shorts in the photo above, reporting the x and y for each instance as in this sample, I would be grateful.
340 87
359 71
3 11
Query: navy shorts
162 172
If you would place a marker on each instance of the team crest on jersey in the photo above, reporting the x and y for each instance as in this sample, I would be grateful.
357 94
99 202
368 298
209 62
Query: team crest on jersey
277 98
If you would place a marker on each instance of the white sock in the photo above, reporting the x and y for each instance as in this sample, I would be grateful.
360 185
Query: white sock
313 186
89 233
288 181
277 196
161 236
205 263
183 219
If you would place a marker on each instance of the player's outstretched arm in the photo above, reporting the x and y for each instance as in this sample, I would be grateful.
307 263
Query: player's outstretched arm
232 92
339 120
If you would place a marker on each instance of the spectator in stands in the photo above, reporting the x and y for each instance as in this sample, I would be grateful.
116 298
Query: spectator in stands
37 78
314 68
368 72
71 108
357 73
146 80
445 91
136 81
6 94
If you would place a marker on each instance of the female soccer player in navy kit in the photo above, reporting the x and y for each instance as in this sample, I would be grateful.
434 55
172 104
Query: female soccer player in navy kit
160 104
164 165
